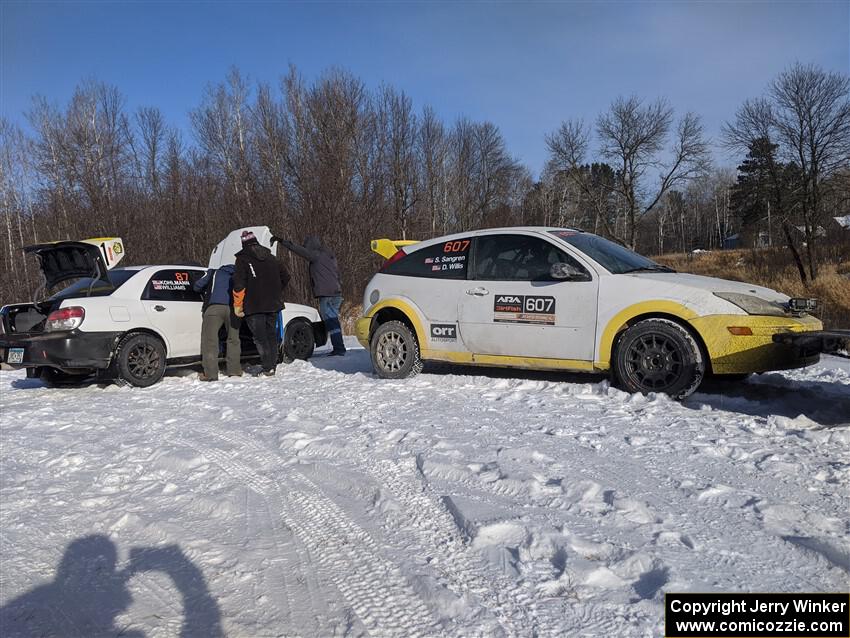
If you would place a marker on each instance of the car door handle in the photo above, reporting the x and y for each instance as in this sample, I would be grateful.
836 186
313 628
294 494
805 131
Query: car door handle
478 292
159 308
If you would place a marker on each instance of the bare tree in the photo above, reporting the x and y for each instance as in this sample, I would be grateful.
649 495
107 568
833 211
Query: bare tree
806 112
153 132
402 130
633 136
432 146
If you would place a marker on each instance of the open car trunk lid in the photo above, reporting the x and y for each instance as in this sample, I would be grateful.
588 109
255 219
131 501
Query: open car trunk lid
61 261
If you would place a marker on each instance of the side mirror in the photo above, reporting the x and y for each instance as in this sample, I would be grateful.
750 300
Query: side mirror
567 272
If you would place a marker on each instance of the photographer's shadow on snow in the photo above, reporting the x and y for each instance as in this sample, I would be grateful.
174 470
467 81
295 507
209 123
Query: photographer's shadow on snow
88 593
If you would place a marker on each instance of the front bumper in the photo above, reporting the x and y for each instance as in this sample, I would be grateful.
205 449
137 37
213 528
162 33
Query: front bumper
757 352
825 341
67 350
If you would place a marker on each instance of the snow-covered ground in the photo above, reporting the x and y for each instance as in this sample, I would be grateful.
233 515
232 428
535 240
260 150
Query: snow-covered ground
327 502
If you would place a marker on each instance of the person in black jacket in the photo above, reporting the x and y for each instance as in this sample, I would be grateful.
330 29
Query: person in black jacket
258 285
324 278
217 312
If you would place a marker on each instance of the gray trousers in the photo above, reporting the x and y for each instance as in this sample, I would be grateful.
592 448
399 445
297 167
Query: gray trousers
215 317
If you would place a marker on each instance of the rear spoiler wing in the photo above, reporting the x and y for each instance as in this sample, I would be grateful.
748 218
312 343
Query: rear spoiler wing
386 248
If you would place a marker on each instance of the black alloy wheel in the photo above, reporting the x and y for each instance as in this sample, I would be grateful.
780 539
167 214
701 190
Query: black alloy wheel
140 360
298 341
659 355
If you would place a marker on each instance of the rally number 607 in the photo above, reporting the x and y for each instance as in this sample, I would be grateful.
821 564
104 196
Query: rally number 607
540 304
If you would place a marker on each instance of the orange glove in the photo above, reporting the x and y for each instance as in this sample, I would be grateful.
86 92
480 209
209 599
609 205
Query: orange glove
238 301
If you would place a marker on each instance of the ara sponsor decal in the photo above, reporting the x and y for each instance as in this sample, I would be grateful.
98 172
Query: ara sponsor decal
534 309
443 332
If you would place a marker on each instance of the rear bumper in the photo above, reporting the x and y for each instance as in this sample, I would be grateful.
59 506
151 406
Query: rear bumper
72 350
759 351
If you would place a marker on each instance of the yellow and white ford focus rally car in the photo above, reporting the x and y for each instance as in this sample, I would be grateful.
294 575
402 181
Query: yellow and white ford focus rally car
561 299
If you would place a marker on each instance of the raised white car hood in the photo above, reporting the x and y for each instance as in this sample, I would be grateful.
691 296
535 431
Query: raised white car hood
225 252
710 284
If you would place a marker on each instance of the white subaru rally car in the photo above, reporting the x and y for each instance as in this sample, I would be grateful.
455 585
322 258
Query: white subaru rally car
562 299
126 324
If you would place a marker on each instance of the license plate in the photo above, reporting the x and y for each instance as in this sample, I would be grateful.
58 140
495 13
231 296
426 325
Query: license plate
15 355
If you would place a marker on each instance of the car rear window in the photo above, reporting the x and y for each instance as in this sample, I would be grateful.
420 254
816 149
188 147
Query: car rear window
89 287
173 284
444 260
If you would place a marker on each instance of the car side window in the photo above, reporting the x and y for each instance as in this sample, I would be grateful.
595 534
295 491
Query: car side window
444 260
518 258
173 284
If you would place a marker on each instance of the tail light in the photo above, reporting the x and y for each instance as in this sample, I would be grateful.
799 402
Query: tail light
65 318
398 255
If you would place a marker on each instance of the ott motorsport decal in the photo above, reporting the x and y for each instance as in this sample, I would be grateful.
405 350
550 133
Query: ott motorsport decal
443 332
524 309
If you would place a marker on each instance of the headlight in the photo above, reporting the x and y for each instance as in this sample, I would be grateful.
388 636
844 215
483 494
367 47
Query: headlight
752 305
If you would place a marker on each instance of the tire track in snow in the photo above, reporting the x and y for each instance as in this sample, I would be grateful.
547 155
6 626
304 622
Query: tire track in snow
516 606
431 528
296 613
376 590
628 474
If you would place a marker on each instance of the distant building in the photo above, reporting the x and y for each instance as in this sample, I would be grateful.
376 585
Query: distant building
732 241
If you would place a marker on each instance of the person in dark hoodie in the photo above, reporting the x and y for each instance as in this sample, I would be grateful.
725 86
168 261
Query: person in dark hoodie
216 287
258 284
324 279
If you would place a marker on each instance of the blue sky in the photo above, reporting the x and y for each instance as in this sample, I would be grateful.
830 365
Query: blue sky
523 66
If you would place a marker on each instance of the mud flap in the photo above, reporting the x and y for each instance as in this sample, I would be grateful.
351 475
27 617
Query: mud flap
320 333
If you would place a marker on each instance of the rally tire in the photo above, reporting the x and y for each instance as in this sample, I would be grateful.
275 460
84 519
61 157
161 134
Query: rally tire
298 342
140 360
395 351
659 355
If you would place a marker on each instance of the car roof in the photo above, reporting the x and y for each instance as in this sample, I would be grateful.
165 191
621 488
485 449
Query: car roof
480 231
138 268
532 228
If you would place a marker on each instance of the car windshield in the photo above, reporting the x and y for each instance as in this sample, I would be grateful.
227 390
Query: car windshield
90 287
613 257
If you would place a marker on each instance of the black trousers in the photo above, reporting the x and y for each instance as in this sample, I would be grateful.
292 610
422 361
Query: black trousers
262 327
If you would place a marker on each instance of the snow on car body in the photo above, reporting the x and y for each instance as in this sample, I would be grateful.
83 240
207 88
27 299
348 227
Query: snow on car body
554 298
124 323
